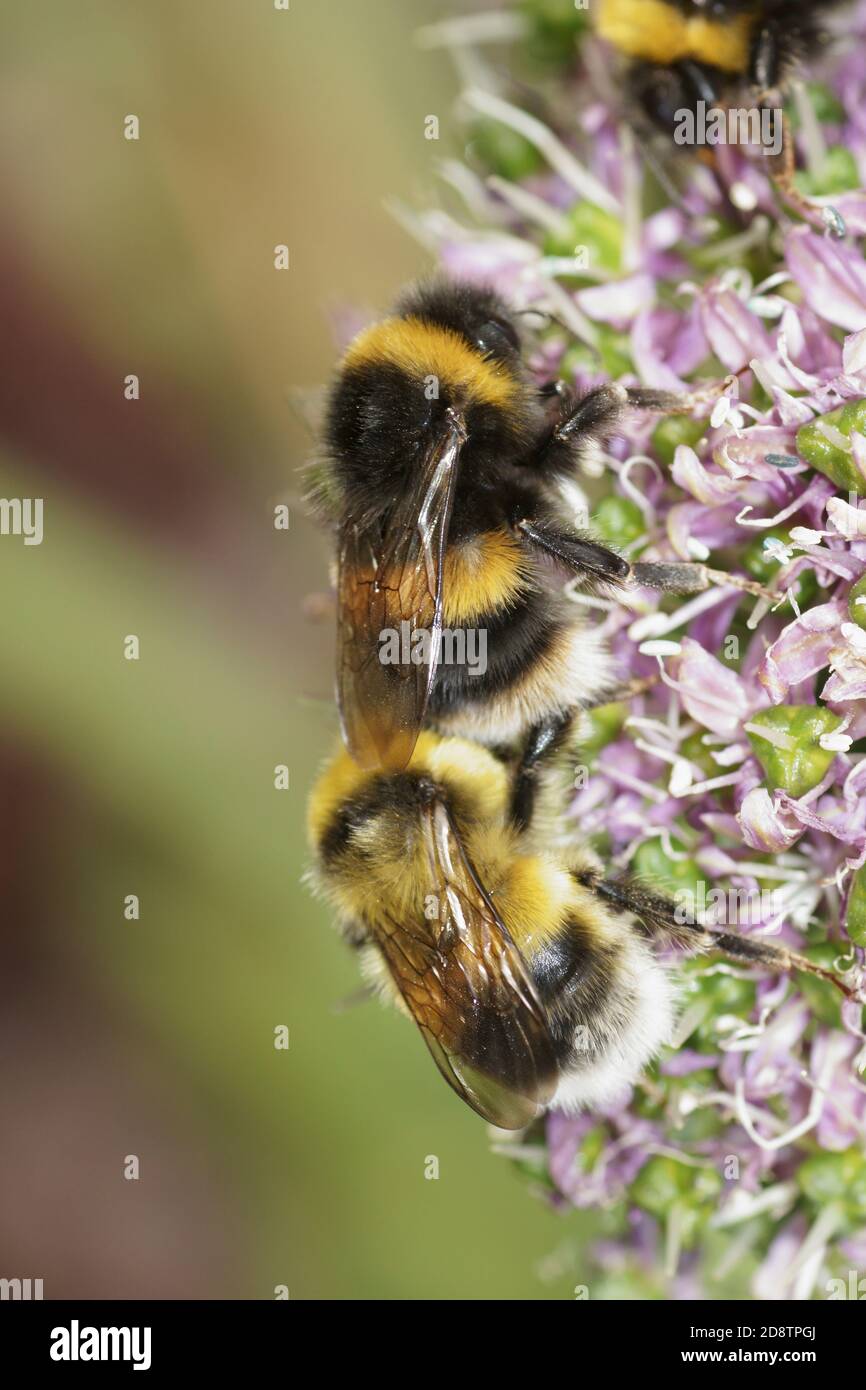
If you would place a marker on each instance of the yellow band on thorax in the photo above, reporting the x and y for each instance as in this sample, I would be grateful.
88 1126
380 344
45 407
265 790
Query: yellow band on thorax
425 349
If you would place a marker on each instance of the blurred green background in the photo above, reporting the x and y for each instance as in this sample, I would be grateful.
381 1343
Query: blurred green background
155 777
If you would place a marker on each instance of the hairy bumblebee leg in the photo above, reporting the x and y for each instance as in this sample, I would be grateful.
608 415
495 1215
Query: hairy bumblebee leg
542 741
691 577
765 72
629 690
594 414
598 411
677 402
658 916
779 958
669 922
826 217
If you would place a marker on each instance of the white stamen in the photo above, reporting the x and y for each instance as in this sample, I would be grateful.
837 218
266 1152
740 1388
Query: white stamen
811 133
557 155
742 197
471 189
681 778
742 1206
809 1121
498 26
712 785
657 624
776 737
628 487
635 784
660 649
529 205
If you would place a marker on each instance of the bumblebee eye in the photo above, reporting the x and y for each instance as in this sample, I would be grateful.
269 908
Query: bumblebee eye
499 337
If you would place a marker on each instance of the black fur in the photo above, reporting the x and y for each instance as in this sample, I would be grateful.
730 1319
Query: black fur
397 792
786 32
573 976
380 428
516 640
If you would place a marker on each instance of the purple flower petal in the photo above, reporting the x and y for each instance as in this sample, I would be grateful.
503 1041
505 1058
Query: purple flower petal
802 650
831 275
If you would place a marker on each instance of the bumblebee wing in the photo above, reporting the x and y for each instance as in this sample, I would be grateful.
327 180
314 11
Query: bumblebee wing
468 989
389 589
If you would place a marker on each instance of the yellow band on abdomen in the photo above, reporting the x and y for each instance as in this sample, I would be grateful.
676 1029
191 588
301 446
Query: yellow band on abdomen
657 32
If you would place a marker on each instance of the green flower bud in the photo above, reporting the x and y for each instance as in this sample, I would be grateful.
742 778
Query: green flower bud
674 430
679 877
696 751
855 922
832 456
758 561
555 26
603 725
763 566
799 766
503 151
612 349
838 174
825 104
670 1190
589 227
593 1146
820 995
660 1182
718 994
855 608
619 520
837 1178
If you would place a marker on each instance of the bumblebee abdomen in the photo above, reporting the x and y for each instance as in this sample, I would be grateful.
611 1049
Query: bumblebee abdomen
664 32
486 575
517 637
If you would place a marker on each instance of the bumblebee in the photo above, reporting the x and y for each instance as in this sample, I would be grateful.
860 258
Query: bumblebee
531 976
684 52
448 479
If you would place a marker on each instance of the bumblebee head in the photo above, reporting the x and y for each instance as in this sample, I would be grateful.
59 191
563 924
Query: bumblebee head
473 313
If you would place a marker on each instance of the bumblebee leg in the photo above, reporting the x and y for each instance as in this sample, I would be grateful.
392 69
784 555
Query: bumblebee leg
694 578
677 402
765 72
575 552
543 740
778 958
598 412
673 923
629 690
595 562
824 216
595 415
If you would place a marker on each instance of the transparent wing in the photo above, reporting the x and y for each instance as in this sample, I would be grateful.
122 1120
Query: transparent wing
390 612
468 989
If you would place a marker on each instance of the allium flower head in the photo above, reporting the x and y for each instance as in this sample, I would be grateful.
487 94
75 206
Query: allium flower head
739 780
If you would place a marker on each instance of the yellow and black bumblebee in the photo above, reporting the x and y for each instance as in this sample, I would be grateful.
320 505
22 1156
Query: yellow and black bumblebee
684 52
531 976
449 480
